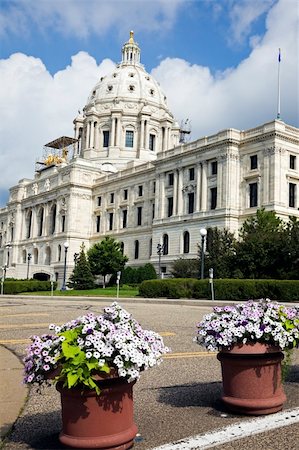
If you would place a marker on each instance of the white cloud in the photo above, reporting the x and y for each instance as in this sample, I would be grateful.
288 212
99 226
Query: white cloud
90 17
243 14
244 96
37 107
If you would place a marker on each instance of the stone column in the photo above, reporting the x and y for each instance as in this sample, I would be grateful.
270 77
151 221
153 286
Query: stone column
88 135
204 182
112 140
175 192
198 185
91 134
141 140
180 193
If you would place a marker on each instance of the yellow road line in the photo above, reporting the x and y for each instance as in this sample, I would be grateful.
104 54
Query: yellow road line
188 355
25 315
170 356
167 333
16 326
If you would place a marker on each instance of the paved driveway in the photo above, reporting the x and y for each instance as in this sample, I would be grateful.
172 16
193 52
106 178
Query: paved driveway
178 399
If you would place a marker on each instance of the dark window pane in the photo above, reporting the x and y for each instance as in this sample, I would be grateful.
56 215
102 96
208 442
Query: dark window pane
213 198
253 162
170 207
105 138
253 195
190 202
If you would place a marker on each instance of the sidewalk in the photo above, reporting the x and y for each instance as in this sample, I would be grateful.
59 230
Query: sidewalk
12 392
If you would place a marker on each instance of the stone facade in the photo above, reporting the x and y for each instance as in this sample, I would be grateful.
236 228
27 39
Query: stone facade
129 176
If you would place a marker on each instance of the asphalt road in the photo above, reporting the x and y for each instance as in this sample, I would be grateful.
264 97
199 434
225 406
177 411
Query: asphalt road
178 399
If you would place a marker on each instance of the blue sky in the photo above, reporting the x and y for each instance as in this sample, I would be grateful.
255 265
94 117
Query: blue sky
215 59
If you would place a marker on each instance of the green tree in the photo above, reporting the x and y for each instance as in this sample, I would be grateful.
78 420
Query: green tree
220 253
289 256
185 268
106 257
258 253
81 278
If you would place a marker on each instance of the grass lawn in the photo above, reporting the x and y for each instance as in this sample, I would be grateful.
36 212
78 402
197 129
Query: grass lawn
99 292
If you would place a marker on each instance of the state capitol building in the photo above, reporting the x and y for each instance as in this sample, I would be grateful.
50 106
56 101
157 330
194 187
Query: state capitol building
129 173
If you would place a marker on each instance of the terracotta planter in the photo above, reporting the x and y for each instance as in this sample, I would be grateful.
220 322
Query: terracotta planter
104 422
251 377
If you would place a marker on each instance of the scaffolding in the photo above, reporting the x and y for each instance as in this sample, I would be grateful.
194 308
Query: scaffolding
56 152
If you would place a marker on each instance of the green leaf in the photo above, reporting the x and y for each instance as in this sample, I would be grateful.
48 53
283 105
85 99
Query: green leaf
72 379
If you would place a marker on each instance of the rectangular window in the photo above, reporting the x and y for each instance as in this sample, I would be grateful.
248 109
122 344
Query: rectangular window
170 206
125 194
154 187
170 179
152 139
140 191
139 215
112 197
191 174
99 201
110 221
98 224
292 195
214 168
213 198
190 202
125 218
292 162
129 138
253 162
105 138
153 210
252 195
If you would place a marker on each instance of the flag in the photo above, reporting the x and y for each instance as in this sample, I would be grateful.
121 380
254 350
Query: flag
279 56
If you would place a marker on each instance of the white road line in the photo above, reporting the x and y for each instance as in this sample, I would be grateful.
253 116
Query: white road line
236 431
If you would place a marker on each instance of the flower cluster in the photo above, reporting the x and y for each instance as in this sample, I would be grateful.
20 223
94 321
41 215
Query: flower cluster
84 346
254 321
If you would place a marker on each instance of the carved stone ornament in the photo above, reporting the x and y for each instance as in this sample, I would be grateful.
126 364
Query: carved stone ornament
35 188
189 188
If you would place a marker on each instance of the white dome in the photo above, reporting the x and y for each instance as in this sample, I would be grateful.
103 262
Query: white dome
126 117
129 82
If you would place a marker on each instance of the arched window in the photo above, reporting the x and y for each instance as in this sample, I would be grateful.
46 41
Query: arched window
186 245
28 224
136 250
40 222
165 244
59 252
53 219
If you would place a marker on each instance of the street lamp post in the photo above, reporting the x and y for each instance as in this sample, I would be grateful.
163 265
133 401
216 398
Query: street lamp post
160 250
29 256
3 278
66 246
203 233
8 247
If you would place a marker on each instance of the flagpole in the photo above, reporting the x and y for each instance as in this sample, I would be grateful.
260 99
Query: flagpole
278 94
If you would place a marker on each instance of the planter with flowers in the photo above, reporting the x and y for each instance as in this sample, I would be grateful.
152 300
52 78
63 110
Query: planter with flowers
94 362
250 339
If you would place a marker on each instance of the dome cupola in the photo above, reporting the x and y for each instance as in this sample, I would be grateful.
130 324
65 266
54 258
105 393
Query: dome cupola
131 51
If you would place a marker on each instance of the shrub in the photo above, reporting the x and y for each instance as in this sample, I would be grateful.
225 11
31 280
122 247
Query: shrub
226 289
18 286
